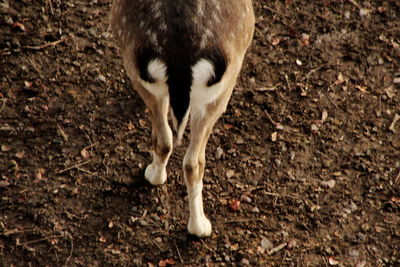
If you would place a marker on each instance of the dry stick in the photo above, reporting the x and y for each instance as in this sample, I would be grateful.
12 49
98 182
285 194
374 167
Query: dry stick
276 12
74 166
283 128
90 146
51 7
392 125
276 249
70 252
5 53
41 239
207 247
40 47
36 67
397 178
179 253
270 89
244 220
63 134
3 105
355 3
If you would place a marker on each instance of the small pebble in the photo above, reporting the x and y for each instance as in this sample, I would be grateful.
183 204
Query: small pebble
219 153
354 253
245 261
363 12
266 244
101 78
255 210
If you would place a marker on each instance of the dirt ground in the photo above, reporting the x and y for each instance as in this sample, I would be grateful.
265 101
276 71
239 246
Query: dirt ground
309 144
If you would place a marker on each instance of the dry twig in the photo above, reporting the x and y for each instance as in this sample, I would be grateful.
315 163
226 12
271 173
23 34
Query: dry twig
76 166
70 252
179 253
276 249
43 46
3 105
393 124
244 220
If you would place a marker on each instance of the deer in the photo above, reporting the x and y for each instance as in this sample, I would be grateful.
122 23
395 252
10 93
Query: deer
183 58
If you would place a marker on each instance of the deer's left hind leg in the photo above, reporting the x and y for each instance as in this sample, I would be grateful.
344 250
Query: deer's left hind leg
161 137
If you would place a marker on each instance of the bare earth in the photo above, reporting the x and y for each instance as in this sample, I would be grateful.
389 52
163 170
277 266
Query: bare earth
309 145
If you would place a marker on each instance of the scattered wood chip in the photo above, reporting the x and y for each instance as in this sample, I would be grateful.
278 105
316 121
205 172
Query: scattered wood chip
340 79
4 184
362 88
305 39
230 173
275 41
332 261
5 148
166 262
274 136
324 116
276 249
85 154
390 92
19 26
393 124
228 126
39 173
234 204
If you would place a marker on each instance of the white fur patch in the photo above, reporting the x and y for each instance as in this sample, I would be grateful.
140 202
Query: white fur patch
201 95
198 223
158 71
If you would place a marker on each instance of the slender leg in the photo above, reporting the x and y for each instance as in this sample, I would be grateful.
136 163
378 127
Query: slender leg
156 172
194 165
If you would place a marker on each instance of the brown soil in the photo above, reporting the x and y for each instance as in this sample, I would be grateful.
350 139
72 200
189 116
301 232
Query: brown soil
309 143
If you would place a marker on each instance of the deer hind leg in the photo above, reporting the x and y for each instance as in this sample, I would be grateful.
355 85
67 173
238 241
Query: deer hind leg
156 172
201 124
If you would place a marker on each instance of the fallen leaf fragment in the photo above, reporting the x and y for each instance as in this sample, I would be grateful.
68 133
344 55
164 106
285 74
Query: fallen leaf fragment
4 184
234 247
275 41
361 88
166 262
395 199
274 136
340 79
5 148
39 173
85 154
292 244
28 84
19 26
314 128
230 173
324 116
305 39
332 261
102 239
228 126
330 183
234 204
142 122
